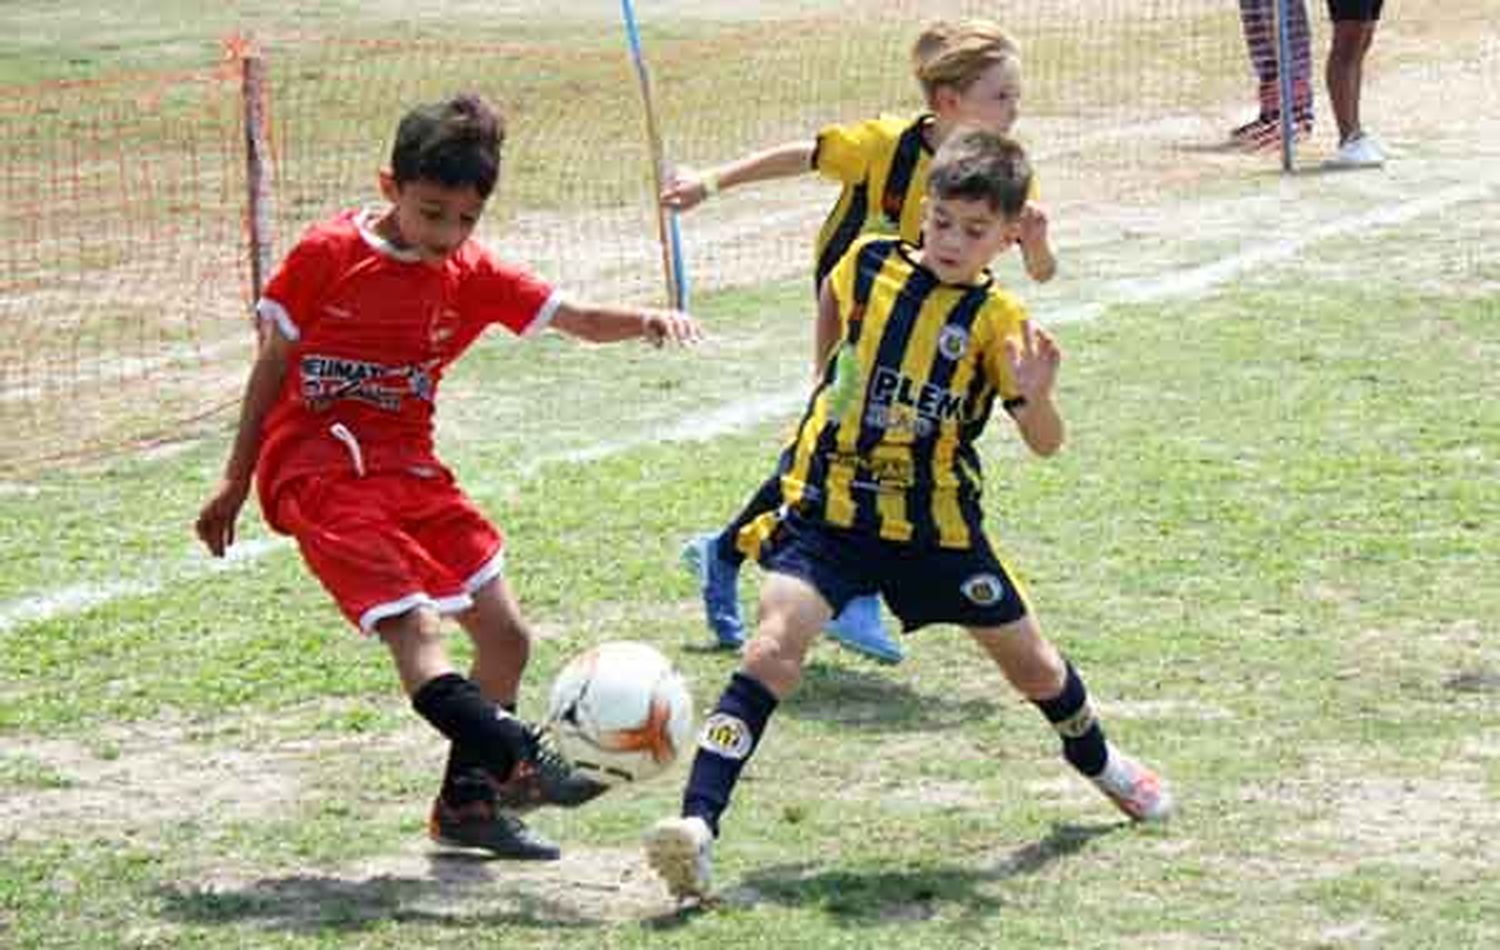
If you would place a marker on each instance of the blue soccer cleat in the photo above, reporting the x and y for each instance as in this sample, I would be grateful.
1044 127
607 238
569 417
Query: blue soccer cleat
859 627
718 578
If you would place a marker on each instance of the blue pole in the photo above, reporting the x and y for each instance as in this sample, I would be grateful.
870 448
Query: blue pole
1284 81
670 231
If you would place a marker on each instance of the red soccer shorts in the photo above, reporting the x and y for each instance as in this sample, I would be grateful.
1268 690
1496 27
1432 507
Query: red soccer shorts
390 542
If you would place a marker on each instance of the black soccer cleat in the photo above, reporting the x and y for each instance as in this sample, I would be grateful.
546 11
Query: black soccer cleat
542 776
480 825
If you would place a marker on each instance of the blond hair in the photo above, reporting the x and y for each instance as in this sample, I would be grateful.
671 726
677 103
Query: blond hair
956 54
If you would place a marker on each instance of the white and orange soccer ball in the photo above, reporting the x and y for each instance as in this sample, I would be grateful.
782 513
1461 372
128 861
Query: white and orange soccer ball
620 712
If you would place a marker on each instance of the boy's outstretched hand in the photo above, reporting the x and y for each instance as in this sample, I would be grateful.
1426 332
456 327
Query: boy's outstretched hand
686 190
1034 361
669 326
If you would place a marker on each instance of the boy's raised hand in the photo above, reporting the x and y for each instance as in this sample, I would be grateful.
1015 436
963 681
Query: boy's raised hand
1034 360
1033 225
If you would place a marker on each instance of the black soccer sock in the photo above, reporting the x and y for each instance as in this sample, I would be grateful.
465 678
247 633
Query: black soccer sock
465 779
456 708
1073 718
729 737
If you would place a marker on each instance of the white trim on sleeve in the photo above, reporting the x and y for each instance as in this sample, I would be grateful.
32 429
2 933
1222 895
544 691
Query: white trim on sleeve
545 313
269 310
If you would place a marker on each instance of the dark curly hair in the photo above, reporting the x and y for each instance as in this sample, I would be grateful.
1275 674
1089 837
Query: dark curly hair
455 142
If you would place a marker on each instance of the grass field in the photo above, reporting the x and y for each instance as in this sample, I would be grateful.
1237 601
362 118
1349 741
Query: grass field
1270 546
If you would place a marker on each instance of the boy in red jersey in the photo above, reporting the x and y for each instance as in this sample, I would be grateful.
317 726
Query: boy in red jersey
883 484
362 319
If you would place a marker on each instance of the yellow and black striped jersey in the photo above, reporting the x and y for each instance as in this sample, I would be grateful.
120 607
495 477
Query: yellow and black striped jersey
886 444
882 164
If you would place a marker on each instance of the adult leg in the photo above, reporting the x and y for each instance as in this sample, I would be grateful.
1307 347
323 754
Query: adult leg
1344 73
791 614
1035 668
1299 39
1258 21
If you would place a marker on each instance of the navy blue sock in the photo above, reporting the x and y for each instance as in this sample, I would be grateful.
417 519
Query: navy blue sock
456 708
729 737
1073 718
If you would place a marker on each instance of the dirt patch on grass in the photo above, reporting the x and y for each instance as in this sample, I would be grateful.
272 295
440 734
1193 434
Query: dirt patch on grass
140 779
132 784
588 886
1445 822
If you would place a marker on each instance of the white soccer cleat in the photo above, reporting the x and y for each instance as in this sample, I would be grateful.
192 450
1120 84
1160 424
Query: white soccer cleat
1135 790
679 850
1359 152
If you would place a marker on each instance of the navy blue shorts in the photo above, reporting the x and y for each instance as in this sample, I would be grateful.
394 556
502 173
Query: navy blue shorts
921 585
1354 9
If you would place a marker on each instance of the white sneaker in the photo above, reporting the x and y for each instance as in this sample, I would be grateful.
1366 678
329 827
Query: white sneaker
678 849
1362 151
1135 790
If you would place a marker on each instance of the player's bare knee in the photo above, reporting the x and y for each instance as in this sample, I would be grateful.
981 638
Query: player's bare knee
1040 680
1027 660
775 660
415 641
495 634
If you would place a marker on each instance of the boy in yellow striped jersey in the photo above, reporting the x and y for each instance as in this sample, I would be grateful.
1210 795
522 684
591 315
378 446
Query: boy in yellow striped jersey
970 73
882 488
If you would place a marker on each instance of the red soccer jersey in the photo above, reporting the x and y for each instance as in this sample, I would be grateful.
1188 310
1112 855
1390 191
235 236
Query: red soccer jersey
373 329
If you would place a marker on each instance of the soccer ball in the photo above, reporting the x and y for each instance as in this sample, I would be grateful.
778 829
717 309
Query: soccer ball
620 712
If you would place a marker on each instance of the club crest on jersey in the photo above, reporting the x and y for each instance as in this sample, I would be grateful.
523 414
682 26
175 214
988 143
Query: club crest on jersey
443 326
983 590
725 735
953 341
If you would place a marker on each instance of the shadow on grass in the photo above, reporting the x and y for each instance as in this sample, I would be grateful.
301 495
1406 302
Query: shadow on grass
460 890
878 700
866 898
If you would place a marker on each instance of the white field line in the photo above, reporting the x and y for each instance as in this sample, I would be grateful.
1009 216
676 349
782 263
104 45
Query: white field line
1198 281
701 427
736 416
76 598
